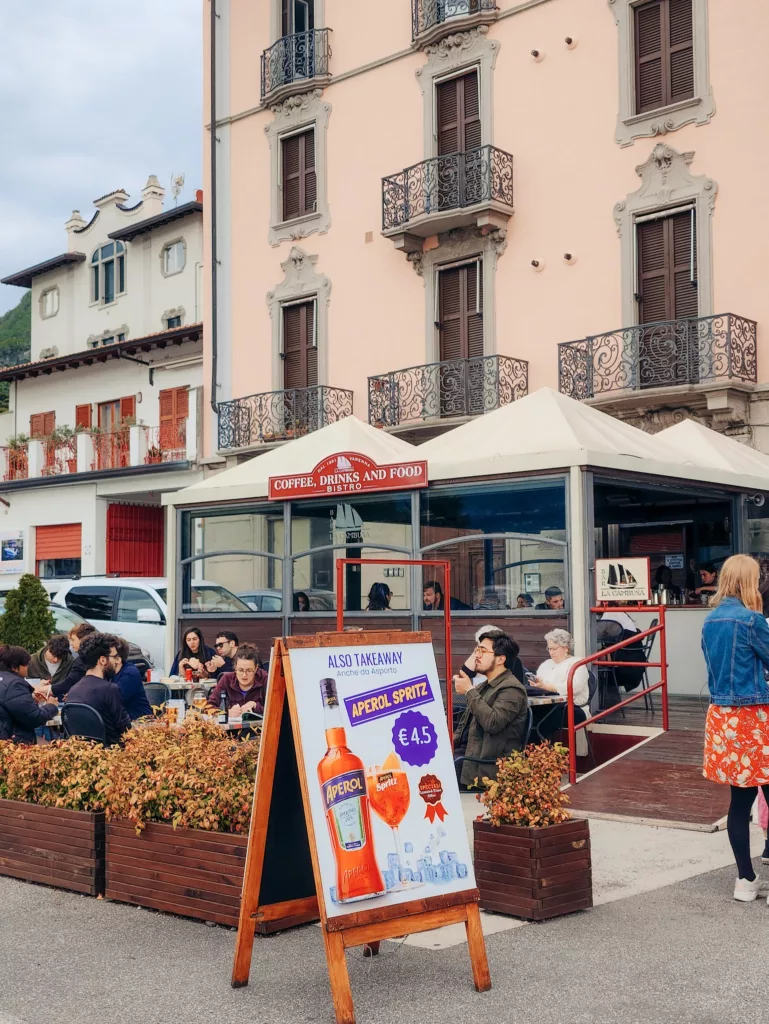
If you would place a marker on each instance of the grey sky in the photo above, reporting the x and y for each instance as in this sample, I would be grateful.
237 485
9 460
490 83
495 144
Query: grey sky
94 96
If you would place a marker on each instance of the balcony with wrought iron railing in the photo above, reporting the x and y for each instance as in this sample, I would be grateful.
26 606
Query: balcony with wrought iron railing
295 64
709 352
280 415
15 462
59 454
472 189
433 19
430 395
166 443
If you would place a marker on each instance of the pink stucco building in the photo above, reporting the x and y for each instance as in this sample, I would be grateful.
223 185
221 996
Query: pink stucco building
424 209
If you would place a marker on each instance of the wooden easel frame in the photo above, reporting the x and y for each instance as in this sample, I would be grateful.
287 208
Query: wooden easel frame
362 928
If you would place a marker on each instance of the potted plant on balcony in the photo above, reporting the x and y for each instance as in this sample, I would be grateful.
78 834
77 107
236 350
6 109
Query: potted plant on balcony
532 859
154 455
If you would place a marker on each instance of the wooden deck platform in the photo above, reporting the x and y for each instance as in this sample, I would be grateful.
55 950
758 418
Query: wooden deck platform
659 782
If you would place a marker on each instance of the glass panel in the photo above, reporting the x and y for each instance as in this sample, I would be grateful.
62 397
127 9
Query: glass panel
91 602
252 577
55 568
121 273
107 250
119 246
95 285
131 600
494 574
372 521
95 257
109 281
207 597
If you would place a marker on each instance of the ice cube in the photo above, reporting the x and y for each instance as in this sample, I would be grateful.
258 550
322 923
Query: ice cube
408 847
461 870
332 893
423 863
405 875
393 861
445 856
453 856
427 849
442 832
416 876
431 874
451 868
389 879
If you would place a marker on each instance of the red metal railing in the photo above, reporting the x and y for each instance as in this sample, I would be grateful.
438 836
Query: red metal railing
167 443
16 463
599 659
111 449
60 456
342 562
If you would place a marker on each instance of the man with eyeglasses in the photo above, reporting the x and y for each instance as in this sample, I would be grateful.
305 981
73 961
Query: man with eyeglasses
497 715
225 646
99 652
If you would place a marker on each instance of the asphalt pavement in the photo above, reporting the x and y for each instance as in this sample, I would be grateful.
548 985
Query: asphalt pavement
682 954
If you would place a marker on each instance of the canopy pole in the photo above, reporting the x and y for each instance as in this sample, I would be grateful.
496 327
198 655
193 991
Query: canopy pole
578 569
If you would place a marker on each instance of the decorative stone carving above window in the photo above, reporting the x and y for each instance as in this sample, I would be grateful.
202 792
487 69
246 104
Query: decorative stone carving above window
171 314
49 353
305 111
116 334
300 281
667 183
699 109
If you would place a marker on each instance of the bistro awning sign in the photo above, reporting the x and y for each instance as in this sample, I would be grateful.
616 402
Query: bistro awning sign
348 473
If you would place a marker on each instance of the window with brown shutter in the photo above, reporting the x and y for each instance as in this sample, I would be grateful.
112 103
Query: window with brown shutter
299 180
300 355
664 53
174 404
42 424
459 114
128 408
83 414
460 309
667 268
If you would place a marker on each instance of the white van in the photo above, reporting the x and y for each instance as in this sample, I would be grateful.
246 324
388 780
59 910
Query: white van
135 608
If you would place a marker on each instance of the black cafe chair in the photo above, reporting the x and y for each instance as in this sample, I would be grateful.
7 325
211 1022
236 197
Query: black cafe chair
647 646
608 633
83 721
157 694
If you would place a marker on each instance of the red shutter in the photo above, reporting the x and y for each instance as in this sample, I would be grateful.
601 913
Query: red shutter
174 410
49 423
135 540
127 408
300 357
64 541
42 424
664 53
83 416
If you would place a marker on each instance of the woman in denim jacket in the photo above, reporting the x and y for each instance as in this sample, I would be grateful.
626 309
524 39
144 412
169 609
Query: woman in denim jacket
735 642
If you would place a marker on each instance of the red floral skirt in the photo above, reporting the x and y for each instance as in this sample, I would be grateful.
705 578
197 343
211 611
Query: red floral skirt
737 745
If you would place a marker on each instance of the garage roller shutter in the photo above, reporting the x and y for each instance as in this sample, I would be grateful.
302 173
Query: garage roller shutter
63 541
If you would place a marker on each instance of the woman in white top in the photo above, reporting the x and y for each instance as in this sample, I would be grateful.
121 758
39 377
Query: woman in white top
553 675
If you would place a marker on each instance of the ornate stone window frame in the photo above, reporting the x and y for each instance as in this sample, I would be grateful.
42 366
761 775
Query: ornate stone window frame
41 302
453 55
162 254
168 314
293 115
697 110
454 247
667 184
97 340
300 283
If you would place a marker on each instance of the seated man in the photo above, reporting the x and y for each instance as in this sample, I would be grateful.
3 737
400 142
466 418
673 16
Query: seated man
225 645
497 714
77 669
553 600
245 688
98 654
52 662
432 598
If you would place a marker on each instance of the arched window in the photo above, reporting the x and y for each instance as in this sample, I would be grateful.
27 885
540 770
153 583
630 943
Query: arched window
108 272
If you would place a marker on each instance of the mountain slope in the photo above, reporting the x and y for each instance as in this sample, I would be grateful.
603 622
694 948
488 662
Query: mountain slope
15 332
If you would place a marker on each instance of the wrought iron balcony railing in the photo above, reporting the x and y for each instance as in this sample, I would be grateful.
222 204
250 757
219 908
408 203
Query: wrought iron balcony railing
659 355
295 58
446 183
456 387
427 14
280 415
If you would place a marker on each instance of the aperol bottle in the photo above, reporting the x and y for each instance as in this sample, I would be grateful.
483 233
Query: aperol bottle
343 786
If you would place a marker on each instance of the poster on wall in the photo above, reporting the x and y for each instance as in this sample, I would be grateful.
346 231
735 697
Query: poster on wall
622 579
12 551
382 788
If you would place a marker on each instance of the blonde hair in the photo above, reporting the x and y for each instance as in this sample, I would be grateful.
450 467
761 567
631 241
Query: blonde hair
739 578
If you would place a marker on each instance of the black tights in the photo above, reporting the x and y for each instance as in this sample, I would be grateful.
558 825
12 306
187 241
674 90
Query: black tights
738 827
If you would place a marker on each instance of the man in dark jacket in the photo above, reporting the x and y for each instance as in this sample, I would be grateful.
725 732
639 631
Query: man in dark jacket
246 687
77 669
52 662
226 645
98 653
20 712
496 719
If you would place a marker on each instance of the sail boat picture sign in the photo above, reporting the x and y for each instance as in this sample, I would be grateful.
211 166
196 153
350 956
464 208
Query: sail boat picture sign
622 579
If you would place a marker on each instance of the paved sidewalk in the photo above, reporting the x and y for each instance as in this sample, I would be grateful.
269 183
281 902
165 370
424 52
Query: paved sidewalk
665 957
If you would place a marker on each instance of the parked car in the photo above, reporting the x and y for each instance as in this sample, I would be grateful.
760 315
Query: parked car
135 608
65 619
272 600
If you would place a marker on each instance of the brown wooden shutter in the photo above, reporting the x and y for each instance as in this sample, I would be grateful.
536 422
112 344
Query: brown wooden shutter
459 118
36 424
127 408
300 356
49 423
285 17
83 415
299 178
664 53
667 285
461 312
174 407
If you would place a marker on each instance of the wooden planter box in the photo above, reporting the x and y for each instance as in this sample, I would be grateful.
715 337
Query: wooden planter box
53 846
535 873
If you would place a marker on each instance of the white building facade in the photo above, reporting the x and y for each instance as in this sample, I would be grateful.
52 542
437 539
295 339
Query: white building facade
105 417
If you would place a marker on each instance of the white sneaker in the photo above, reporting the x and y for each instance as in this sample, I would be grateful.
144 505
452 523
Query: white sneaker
746 891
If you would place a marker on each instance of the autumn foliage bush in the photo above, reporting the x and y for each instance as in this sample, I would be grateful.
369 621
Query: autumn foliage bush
196 776
527 790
